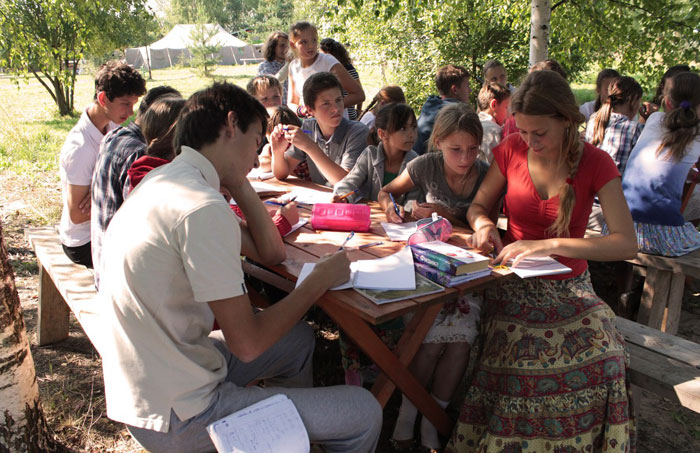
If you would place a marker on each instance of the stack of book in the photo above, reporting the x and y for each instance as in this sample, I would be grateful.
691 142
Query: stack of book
447 264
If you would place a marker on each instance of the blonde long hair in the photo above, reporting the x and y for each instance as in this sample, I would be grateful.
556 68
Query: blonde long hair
546 93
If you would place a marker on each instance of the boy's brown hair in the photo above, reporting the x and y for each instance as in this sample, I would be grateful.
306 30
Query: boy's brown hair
118 79
449 75
262 82
490 91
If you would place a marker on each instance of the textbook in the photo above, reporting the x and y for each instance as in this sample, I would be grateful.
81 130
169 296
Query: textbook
424 287
445 279
268 426
449 258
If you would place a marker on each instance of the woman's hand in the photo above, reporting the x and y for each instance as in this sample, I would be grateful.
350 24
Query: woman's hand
391 215
486 239
425 210
519 250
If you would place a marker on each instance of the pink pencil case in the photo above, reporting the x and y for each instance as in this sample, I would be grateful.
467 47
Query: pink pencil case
340 217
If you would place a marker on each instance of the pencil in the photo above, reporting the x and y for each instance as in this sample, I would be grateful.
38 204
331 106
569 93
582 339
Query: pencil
343 197
371 244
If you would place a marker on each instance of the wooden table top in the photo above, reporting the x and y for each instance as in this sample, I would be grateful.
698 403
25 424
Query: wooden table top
307 245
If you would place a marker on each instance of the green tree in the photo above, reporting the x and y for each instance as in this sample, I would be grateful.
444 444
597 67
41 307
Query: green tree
48 38
412 38
205 49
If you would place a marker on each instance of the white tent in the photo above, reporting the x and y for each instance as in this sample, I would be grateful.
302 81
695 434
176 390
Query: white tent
173 48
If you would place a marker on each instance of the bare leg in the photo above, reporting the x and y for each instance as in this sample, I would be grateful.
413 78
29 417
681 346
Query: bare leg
422 368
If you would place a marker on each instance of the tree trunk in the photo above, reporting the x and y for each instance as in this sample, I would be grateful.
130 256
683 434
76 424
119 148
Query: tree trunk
22 424
540 14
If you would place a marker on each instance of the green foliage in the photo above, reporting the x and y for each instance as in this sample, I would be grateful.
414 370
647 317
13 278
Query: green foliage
410 39
205 49
251 20
47 38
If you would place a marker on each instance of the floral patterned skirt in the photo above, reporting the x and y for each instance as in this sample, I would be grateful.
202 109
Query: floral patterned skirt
552 375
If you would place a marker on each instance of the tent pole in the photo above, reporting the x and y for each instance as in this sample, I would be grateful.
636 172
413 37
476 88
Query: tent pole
148 62
169 59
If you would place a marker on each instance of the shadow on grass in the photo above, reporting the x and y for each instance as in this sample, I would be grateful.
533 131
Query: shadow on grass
227 78
64 123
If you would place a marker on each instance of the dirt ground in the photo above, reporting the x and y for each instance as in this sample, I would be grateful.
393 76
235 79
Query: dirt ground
70 374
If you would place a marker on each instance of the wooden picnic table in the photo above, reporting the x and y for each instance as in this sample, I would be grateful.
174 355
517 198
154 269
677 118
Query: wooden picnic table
354 313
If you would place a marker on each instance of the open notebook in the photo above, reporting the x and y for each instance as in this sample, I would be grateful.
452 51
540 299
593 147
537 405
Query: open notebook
268 426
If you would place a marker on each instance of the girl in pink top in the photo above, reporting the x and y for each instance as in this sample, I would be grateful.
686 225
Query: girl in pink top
552 372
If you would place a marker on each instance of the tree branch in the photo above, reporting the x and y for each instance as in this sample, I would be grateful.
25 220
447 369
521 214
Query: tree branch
559 3
38 77
651 13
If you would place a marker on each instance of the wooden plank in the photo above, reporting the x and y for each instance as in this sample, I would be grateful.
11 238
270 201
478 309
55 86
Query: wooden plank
664 376
406 349
380 354
687 264
659 342
675 301
53 313
653 292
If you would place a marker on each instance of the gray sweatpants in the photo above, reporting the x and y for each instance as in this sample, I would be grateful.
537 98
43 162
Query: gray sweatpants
341 418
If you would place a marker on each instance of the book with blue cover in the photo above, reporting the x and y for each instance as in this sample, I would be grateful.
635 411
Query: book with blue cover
449 258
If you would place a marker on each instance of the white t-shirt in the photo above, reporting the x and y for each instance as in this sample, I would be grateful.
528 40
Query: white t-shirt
368 119
492 136
587 109
323 63
77 162
173 246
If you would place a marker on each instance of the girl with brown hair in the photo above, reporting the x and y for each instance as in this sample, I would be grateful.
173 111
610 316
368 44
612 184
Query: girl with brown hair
386 95
275 52
658 165
552 375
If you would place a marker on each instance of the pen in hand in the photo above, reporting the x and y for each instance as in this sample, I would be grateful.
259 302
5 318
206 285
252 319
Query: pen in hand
343 197
396 207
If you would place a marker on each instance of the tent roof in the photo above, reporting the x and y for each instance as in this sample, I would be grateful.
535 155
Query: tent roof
179 38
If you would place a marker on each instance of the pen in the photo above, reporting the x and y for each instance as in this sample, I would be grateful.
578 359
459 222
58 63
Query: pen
396 207
343 197
303 130
352 233
371 244
280 203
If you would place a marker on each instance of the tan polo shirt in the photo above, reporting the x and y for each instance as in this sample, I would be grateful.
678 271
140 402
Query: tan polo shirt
173 246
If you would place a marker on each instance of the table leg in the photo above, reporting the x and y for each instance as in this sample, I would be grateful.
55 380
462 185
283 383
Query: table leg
654 297
406 349
379 353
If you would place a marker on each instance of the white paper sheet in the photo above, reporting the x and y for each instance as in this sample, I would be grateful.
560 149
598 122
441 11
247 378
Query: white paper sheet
308 267
265 187
539 266
302 221
307 196
269 426
259 174
399 231
394 272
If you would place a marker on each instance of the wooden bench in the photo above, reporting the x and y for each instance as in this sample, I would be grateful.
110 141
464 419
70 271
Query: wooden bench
663 364
63 287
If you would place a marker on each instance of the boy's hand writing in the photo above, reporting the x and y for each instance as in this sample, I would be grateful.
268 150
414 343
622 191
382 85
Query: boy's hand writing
332 270
290 212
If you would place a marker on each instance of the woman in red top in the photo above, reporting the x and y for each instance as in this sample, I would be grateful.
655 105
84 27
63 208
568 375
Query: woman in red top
552 373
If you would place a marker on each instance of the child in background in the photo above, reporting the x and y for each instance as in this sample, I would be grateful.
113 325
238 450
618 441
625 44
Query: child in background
602 82
493 103
388 94
267 90
449 175
329 143
276 64
308 61
648 108
613 128
495 72
452 83
390 142
158 126
657 168
281 115
332 47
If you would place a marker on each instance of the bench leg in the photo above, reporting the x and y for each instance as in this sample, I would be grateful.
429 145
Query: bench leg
53 312
675 300
654 298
